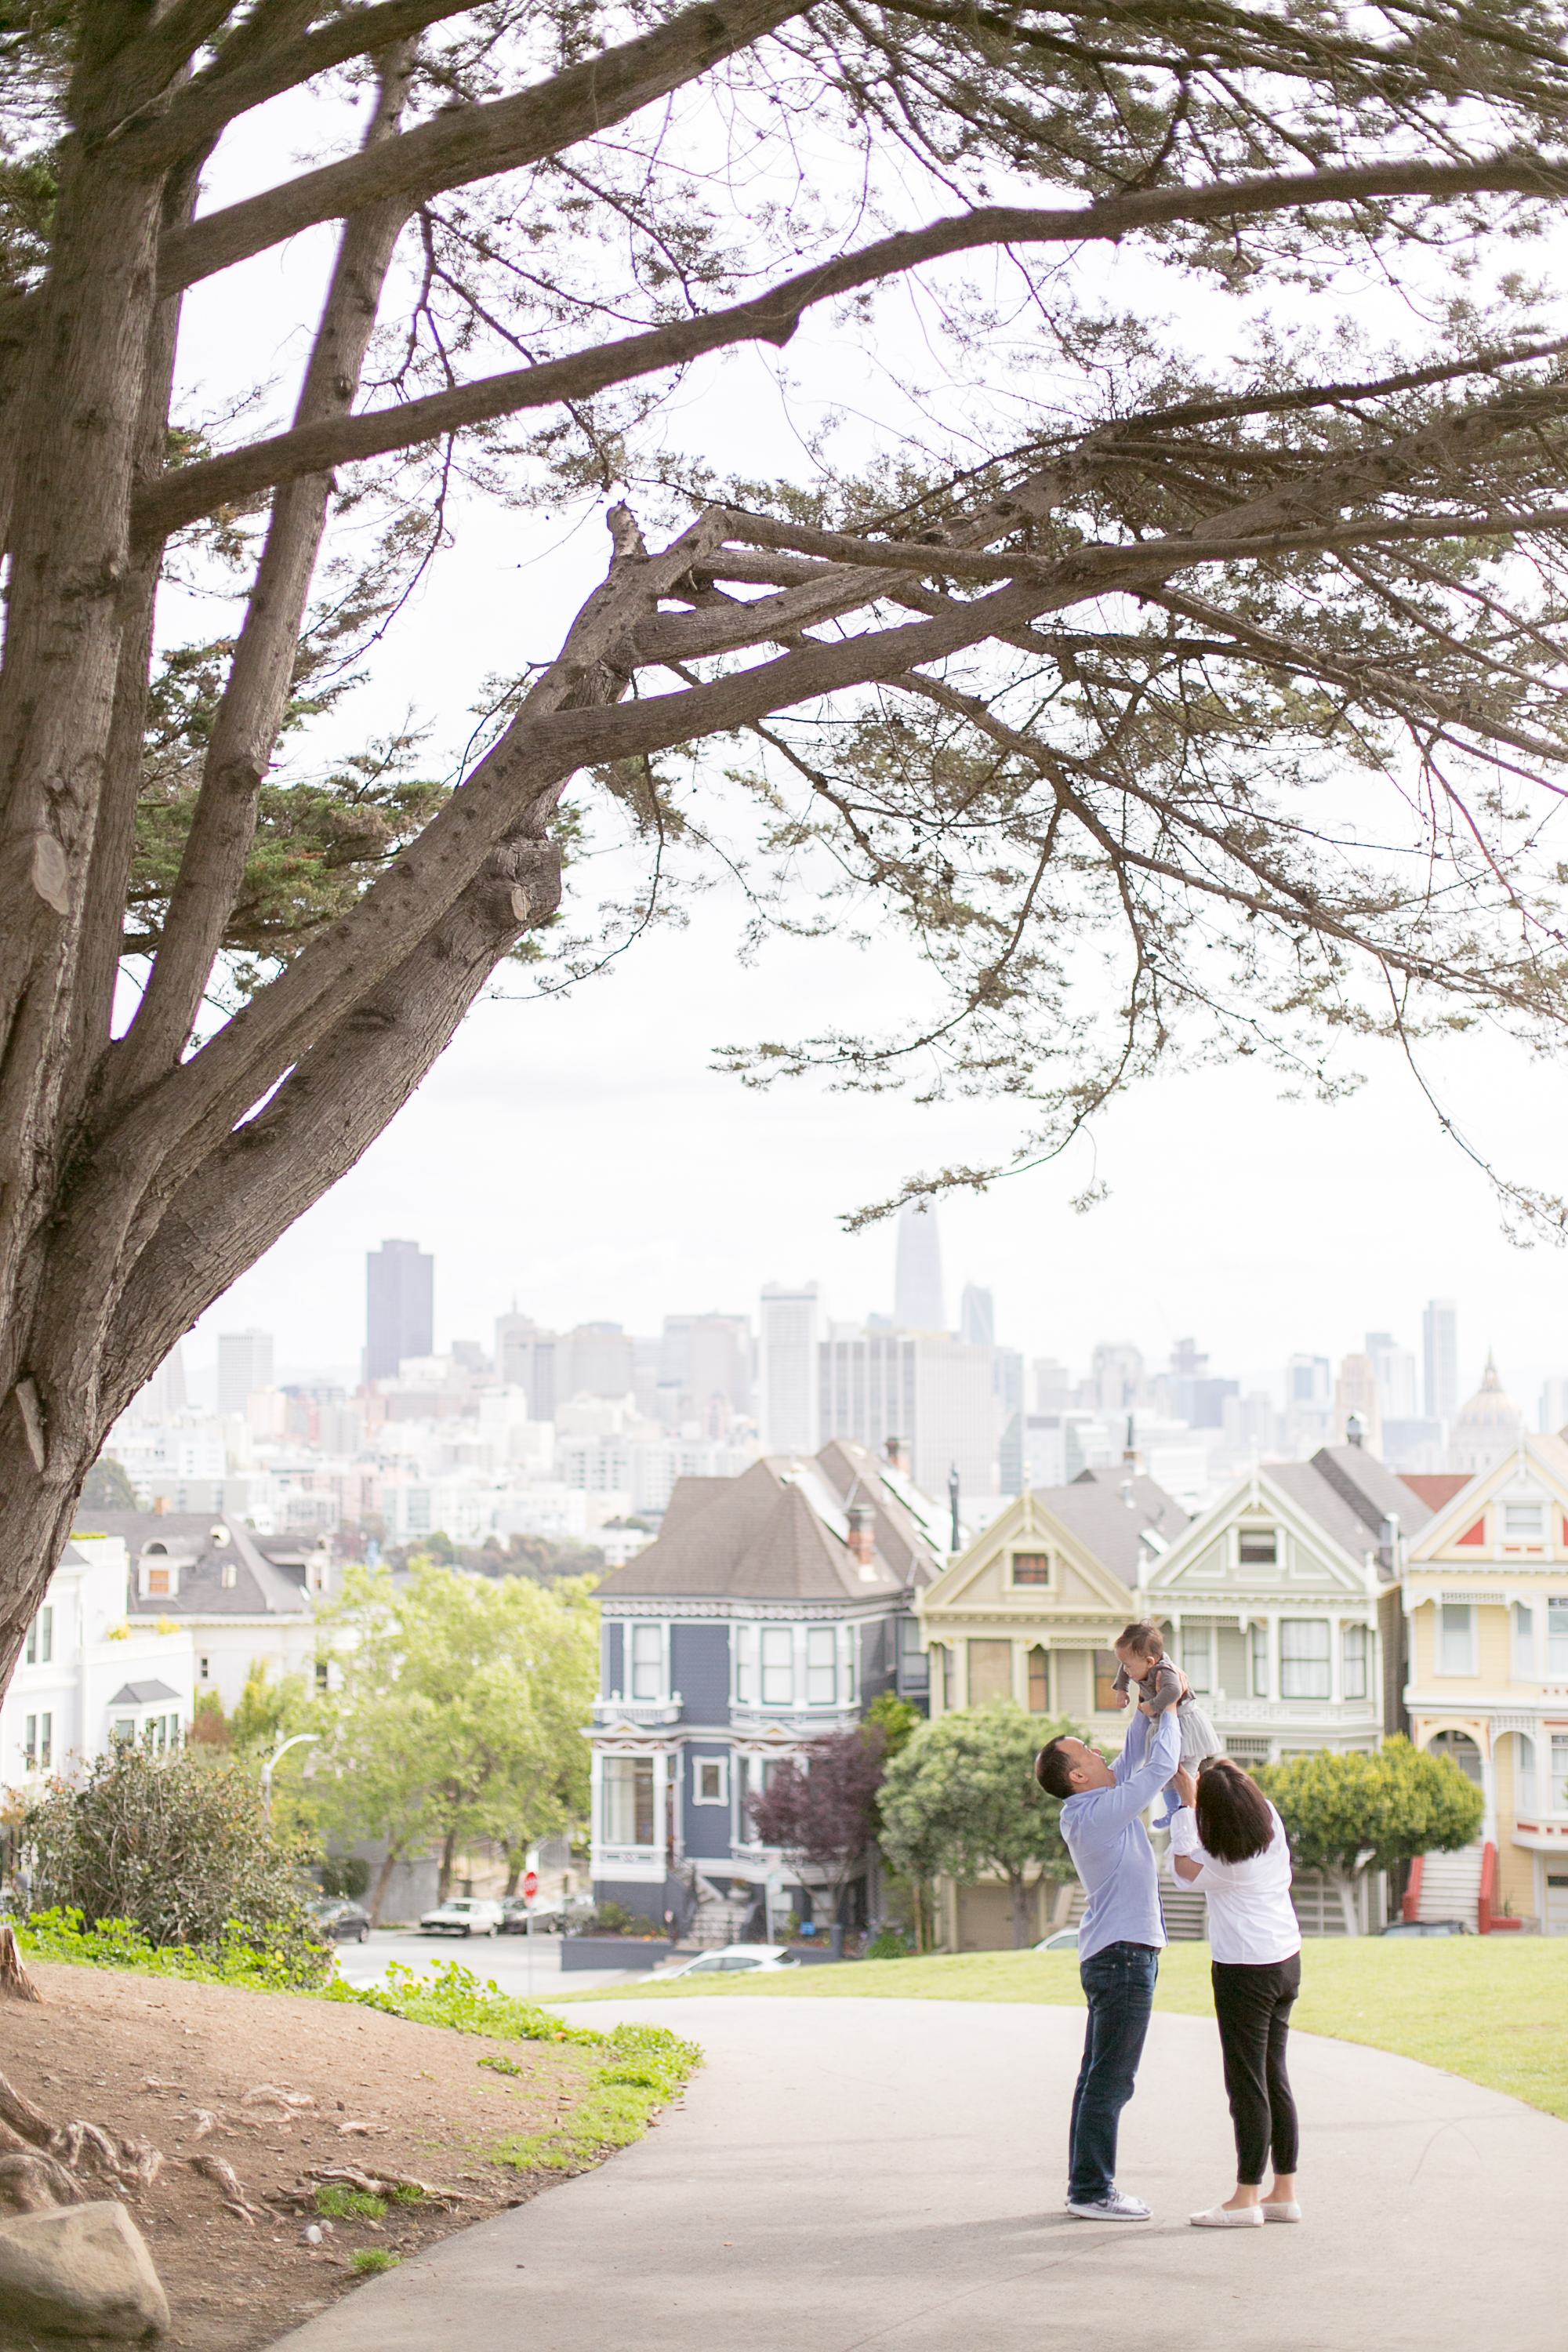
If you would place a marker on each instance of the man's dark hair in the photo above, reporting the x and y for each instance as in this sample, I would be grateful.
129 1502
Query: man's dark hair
1144 1640
1234 1821
1052 1769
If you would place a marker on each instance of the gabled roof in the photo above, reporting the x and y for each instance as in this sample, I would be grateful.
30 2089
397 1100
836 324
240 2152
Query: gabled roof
1436 1488
1341 1532
1544 1457
1112 1514
777 1533
1372 1490
142 1693
263 1586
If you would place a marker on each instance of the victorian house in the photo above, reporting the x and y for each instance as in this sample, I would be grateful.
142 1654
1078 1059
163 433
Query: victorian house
1270 1602
774 1608
1483 1627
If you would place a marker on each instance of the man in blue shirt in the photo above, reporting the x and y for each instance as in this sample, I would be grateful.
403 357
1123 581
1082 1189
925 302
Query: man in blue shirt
1118 1939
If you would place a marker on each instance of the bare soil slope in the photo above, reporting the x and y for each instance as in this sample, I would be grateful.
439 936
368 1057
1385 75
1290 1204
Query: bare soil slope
147 2057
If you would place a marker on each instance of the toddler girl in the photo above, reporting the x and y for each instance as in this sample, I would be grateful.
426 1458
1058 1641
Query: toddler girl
1141 1651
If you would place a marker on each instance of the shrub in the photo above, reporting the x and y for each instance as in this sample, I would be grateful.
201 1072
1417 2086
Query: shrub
179 1847
891 1944
611 1920
277 1958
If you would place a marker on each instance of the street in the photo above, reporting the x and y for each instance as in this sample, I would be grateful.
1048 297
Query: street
504 1959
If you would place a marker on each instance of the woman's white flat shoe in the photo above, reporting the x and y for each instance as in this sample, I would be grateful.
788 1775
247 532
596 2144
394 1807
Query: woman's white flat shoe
1291 2212
1229 2217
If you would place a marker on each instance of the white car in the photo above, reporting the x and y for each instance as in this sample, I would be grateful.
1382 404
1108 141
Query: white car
1064 1940
733 1960
463 1914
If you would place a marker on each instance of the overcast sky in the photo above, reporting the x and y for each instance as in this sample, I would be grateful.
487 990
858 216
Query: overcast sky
581 1157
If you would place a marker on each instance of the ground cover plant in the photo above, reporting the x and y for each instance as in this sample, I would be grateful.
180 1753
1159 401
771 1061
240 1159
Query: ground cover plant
1493 2008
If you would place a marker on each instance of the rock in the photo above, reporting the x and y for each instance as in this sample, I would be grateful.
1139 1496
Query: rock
84 2270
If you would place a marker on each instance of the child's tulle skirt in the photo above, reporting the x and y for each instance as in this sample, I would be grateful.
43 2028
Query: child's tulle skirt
1199 1738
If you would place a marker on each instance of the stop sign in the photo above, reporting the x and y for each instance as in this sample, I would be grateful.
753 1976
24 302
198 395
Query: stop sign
530 1885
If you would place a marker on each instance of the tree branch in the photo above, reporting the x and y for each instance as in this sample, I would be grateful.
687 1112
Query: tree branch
774 317
474 142
256 694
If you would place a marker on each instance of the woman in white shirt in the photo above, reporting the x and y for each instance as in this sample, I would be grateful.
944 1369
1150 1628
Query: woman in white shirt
1227 1839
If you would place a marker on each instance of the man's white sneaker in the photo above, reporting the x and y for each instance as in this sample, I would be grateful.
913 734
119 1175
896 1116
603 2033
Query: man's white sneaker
1117 2207
1229 2217
1277 2212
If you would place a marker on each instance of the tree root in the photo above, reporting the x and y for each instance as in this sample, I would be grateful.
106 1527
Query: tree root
213 2168
15 1984
31 2183
385 2184
130 2163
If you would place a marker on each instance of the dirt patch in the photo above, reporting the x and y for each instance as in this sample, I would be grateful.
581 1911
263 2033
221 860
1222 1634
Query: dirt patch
146 2056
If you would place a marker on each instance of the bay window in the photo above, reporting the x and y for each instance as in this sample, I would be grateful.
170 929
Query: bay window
626 1807
647 1662
778 1665
821 1665
1557 1639
1357 1651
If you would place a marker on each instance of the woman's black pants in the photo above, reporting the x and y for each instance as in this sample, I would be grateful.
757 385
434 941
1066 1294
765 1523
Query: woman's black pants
1253 2006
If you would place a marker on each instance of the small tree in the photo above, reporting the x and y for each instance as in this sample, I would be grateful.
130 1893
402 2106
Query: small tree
1348 1814
962 1799
824 1815
177 1845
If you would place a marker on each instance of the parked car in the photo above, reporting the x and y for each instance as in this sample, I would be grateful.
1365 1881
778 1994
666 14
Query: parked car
341 1921
1427 1928
463 1914
549 1919
734 1959
1064 1940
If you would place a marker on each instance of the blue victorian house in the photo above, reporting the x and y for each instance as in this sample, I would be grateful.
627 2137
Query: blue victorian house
774 1608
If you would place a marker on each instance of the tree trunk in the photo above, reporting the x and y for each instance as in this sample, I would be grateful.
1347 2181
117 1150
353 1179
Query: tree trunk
15 1984
449 1856
1346 1886
1023 1925
383 1881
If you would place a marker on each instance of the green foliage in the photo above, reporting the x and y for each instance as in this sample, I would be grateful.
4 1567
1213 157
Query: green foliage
267 1712
891 1944
346 1875
367 2260
1347 1813
209 1725
341 2204
896 1721
459 1708
107 1488
279 1958
613 1919
962 1801
179 1847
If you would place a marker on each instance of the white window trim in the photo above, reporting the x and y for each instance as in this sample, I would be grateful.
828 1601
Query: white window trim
1443 1671
700 1764
636 1625
1032 1551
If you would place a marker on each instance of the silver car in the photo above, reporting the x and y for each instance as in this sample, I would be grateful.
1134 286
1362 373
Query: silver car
734 1959
463 1914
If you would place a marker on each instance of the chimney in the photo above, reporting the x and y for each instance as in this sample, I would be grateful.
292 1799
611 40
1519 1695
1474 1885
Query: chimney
160 1505
862 1533
898 1453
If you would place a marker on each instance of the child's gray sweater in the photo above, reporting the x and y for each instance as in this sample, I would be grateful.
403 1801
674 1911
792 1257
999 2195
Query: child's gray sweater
1160 1687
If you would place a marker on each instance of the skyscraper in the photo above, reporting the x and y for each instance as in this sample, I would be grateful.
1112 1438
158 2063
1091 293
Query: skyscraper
917 1278
1440 1348
400 1307
790 1369
978 1317
1395 1369
244 1365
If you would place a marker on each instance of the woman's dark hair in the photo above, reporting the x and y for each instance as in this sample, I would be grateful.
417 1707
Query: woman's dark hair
1234 1821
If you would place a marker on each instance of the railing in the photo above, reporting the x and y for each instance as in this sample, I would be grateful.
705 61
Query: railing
1292 1710
639 1713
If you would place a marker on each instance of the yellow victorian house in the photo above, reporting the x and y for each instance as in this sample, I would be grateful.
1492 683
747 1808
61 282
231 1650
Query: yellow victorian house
1030 1613
1485 1609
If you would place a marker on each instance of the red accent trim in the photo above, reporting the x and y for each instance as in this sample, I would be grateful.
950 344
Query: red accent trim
1413 1889
1489 1888
1475 1535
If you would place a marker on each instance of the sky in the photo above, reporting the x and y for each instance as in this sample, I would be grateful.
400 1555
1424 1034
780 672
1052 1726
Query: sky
581 1157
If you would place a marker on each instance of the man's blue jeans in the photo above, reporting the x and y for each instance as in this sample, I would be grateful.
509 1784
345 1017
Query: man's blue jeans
1118 1985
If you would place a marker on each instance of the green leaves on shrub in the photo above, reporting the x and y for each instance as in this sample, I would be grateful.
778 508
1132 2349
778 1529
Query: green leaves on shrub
180 1848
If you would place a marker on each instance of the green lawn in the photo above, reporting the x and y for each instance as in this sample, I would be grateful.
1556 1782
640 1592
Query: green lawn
1493 2008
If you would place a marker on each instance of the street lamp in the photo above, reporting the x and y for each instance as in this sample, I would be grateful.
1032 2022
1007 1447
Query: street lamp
276 1757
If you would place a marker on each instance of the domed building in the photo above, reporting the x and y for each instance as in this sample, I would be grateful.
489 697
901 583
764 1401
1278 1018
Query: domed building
1489 1428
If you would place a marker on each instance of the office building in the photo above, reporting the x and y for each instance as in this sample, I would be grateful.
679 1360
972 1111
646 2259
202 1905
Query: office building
244 1365
917 1278
978 1317
705 1372
400 1307
1440 1359
789 1368
525 1359
1053 1390
1358 1408
1554 1408
1395 1369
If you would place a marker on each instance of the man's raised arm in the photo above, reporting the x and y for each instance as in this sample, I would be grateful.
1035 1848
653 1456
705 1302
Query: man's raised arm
1140 1776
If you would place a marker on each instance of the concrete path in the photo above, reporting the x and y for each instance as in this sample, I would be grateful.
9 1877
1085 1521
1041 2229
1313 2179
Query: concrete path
854 2174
